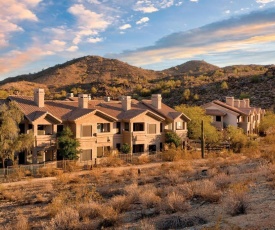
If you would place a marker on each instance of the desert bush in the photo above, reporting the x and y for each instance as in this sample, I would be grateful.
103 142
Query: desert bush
236 203
149 199
56 205
49 171
146 224
206 190
120 203
143 159
109 217
111 161
171 155
179 222
132 191
67 218
175 202
222 180
173 177
89 210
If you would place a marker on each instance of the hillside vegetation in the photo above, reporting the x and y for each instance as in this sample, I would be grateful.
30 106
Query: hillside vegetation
194 82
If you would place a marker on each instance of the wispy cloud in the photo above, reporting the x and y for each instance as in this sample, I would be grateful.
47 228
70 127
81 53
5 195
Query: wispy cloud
264 1
150 6
125 27
95 40
142 20
13 12
238 33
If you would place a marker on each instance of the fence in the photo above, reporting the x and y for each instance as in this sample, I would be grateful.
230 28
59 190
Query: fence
129 158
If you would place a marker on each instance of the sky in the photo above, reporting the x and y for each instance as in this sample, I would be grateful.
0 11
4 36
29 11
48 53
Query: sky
152 34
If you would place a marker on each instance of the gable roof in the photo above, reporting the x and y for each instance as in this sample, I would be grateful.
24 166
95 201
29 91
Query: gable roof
165 111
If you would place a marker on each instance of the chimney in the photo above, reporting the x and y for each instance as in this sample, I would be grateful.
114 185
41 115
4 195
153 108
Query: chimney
107 99
69 95
39 97
156 100
229 101
83 101
237 103
242 103
126 102
247 101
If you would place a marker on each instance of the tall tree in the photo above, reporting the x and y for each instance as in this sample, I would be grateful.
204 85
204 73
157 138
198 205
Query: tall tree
68 145
197 114
10 139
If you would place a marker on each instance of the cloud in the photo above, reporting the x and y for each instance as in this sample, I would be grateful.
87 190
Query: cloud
12 12
240 33
125 27
95 40
264 1
194 0
142 20
89 22
72 48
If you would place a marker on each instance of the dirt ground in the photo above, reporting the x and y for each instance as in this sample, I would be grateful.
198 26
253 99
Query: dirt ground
232 192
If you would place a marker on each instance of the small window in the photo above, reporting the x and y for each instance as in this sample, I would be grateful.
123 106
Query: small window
179 125
138 127
118 128
86 130
160 128
118 146
152 128
218 118
103 127
126 126
86 155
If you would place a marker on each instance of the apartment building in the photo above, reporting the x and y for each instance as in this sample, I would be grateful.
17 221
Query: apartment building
100 125
235 112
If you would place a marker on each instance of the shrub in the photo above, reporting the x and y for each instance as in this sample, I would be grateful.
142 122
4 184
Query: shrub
222 180
125 148
171 155
236 203
206 190
175 202
111 161
109 217
89 210
67 218
120 203
172 137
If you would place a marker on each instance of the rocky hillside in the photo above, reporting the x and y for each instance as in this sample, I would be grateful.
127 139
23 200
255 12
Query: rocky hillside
193 83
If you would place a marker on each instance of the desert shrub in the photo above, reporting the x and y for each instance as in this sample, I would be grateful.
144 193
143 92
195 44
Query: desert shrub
120 203
178 222
143 159
171 155
172 137
173 177
175 202
236 203
269 155
133 192
49 171
148 197
89 210
109 217
125 148
56 205
111 161
222 180
206 190
67 218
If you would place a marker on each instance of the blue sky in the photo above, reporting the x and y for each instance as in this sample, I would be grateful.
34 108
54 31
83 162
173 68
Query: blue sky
153 34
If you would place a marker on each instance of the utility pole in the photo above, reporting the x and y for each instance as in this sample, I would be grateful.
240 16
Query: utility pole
202 139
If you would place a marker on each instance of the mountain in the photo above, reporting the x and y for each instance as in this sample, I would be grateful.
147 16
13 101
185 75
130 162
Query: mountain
194 67
100 77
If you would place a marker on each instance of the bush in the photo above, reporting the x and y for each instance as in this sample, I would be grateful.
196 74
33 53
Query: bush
171 155
67 218
172 137
175 202
125 148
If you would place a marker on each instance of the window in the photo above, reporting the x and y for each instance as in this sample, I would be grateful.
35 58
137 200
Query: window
60 128
248 119
118 128
86 155
138 127
126 126
86 130
152 128
160 128
103 150
179 125
118 146
152 148
160 146
22 128
218 118
103 127
138 148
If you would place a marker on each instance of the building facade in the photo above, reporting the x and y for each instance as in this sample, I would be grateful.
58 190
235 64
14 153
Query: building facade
235 112
100 125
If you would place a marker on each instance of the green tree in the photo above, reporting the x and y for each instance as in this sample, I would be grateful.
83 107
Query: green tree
236 137
224 85
93 91
68 145
186 94
125 148
172 137
267 124
10 139
197 114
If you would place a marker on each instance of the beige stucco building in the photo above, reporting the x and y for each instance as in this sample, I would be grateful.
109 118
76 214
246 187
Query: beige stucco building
99 125
235 112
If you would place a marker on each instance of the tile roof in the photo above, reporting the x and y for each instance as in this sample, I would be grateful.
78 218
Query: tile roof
215 112
68 110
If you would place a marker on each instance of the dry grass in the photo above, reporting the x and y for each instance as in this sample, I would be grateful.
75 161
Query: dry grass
175 202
